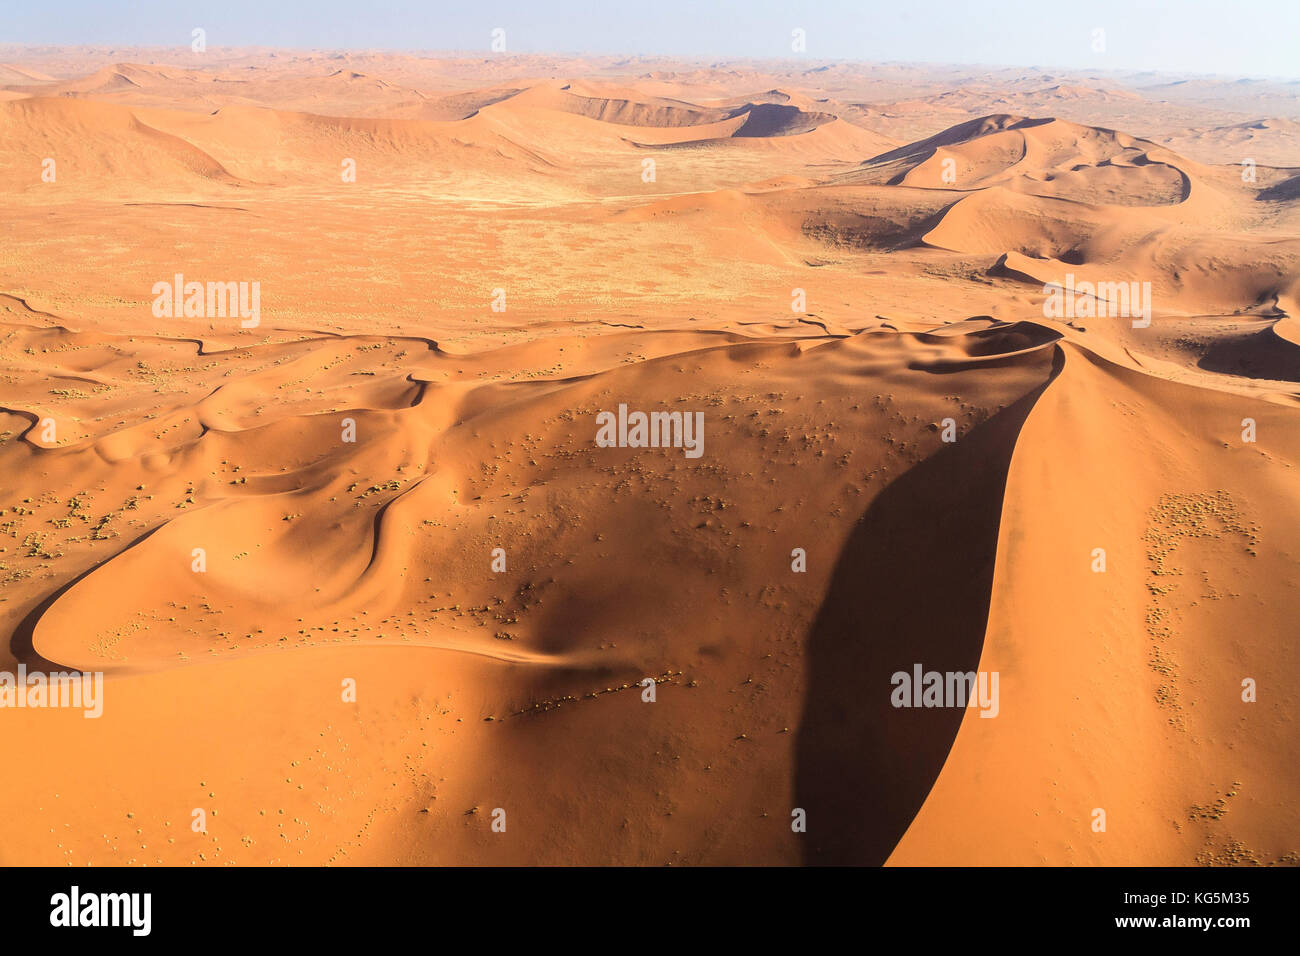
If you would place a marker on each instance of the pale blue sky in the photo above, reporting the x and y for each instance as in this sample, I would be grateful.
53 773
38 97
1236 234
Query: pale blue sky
1244 38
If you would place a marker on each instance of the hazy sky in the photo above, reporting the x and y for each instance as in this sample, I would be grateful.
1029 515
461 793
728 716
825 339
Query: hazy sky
1246 38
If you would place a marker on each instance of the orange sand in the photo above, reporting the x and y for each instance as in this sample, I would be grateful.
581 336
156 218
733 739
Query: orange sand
918 217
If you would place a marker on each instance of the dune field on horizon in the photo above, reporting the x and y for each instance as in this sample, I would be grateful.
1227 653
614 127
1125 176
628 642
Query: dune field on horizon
560 460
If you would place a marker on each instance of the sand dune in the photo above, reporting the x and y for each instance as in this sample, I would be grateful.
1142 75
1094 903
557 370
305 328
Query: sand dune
99 144
241 519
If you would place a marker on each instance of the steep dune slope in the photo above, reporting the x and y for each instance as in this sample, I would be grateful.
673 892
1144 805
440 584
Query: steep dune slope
1122 688
570 626
97 146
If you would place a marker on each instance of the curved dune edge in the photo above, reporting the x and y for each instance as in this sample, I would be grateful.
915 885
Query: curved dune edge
1113 696
373 527
550 647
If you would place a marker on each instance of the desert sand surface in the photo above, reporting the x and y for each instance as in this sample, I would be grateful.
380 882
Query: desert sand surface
844 269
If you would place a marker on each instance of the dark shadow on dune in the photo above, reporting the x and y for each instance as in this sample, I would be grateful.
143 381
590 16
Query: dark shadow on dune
961 133
1003 344
1263 354
1285 191
848 229
911 586
773 119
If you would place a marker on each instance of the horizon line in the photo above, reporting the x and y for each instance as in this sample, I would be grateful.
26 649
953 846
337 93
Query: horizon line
463 54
